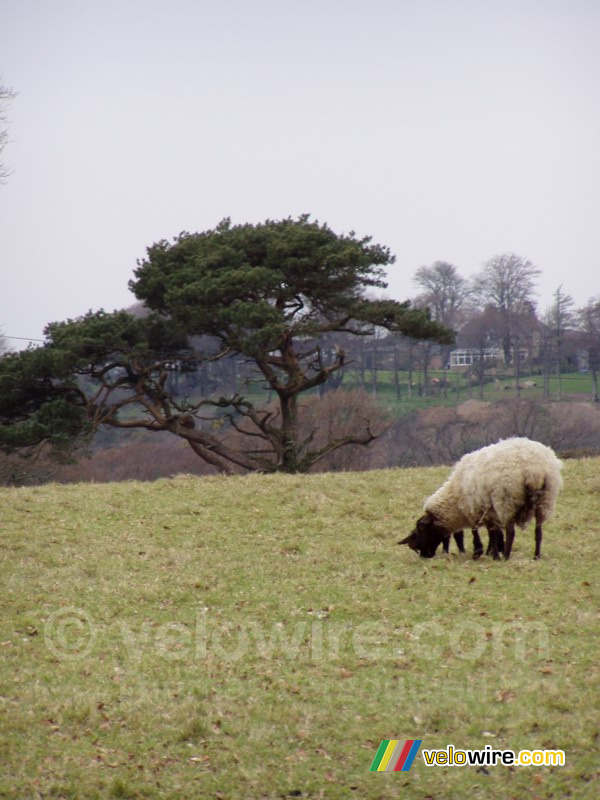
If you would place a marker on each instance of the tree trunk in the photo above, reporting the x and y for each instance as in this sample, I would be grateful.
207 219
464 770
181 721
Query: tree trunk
289 433
374 367
594 385
396 369
481 372
361 361
410 369
517 368
426 354
546 375
506 343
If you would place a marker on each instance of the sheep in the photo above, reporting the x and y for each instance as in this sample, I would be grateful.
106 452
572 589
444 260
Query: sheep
500 486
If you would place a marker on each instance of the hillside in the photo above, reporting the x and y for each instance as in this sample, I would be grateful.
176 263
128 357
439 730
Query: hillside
259 636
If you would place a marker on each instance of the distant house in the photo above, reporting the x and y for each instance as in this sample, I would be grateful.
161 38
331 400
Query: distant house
465 357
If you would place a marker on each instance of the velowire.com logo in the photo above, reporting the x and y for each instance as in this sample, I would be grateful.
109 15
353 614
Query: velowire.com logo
395 755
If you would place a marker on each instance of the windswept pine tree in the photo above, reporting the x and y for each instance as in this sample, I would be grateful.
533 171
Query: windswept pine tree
266 293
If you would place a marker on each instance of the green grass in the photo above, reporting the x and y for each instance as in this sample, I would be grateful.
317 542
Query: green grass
574 386
257 637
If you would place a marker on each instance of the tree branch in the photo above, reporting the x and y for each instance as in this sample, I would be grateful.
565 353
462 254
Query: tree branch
316 455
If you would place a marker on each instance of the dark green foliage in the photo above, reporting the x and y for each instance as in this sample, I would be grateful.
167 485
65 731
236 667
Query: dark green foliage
98 336
253 286
268 292
39 399
48 394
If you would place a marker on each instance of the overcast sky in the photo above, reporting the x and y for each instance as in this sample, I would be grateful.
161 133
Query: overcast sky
446 129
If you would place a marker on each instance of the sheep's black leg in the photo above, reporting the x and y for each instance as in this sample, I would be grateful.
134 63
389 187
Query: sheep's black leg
538 539
446 544
459 538
477 544
500 539
510 537
493 532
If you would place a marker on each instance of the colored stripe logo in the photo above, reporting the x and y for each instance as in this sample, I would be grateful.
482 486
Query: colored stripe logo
395 755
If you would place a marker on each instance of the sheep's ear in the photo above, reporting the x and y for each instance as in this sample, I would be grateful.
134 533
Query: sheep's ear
408 539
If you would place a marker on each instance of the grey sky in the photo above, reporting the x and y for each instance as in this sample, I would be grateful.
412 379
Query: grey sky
446 129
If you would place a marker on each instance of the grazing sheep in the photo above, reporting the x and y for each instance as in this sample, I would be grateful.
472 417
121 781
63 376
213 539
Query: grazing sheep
499 486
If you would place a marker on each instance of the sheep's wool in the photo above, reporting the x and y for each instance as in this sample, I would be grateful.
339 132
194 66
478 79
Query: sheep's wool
492 483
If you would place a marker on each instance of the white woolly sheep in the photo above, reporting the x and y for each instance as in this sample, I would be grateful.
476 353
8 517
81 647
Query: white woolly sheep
499 486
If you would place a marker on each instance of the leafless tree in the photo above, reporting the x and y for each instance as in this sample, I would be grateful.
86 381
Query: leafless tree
507 281
482 333
445 293
6 94
588 319
559 318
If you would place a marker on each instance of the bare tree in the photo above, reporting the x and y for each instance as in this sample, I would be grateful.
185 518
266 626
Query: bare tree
588 319
507 281
525 325
559 318
6 94
445 293
482 334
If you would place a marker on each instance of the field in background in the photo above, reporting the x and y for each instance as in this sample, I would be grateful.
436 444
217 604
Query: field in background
394 390
573 386
257 637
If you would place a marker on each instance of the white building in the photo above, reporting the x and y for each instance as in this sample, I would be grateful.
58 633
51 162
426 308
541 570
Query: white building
467 356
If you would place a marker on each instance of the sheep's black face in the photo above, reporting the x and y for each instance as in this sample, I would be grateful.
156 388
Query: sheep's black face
426 537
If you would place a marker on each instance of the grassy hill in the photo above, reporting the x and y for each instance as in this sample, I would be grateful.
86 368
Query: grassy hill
258 637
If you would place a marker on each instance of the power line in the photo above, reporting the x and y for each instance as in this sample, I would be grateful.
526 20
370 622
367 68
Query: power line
22 338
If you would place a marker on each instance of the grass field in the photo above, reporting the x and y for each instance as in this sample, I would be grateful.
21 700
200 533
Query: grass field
257 637
573 386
